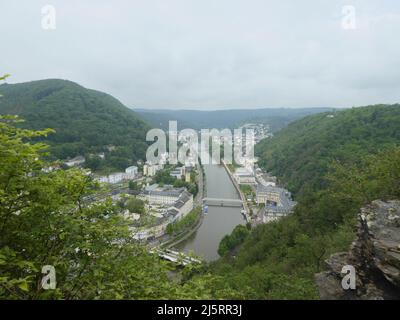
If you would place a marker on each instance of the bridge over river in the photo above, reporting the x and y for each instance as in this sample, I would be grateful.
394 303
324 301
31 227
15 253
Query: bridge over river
223 202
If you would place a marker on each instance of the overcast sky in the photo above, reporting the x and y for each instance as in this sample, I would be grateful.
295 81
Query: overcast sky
210 54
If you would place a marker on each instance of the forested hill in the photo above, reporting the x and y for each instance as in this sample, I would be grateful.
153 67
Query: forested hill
301 153
86 121
278 260
276 118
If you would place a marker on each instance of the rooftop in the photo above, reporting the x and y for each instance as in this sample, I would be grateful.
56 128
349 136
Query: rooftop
243 172
272 189
166 191
285 203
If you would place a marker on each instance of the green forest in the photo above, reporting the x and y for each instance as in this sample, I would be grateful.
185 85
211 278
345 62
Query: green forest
301 153
336 165
86 122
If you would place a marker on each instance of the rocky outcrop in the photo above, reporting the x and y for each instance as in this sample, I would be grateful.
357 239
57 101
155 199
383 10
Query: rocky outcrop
375 256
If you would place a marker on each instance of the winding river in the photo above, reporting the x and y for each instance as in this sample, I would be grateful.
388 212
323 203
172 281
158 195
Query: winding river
219 221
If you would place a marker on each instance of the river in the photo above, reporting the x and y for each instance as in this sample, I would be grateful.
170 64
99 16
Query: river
219 221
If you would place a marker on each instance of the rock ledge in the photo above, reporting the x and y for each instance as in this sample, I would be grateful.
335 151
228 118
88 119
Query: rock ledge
375 255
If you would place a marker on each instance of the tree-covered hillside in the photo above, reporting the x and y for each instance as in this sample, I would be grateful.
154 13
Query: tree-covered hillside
301 153
86 121
278 260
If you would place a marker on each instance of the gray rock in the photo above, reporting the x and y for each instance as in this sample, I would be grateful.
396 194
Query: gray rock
375 255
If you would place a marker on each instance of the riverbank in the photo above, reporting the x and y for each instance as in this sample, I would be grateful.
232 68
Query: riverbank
241 194
186 233
201 184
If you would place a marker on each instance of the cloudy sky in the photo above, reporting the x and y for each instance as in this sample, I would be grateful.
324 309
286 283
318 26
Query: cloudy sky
210 54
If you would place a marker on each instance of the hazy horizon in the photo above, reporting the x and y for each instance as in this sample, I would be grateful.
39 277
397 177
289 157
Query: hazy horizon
166 109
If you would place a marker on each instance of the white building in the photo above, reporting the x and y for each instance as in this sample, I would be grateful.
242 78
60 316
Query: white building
244 176
117 177
166 195
112 178
75 161
150 170
131 172
178 172
266 180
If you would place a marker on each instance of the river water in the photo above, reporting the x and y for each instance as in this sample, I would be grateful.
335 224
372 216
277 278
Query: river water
219 221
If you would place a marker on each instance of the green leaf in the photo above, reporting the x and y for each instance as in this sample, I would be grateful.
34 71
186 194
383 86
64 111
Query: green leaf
23 286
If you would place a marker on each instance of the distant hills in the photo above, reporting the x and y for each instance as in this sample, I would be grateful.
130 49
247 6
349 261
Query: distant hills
277 118
85 120
301 153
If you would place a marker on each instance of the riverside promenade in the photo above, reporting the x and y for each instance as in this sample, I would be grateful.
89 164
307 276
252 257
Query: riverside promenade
241 194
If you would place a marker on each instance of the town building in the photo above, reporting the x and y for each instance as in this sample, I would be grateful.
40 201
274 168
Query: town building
77 161
117 177
270 194
278 202
150 170
244 176
131 172
178 172
183 205
180 208
112 178
266 180
273 213
166 195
